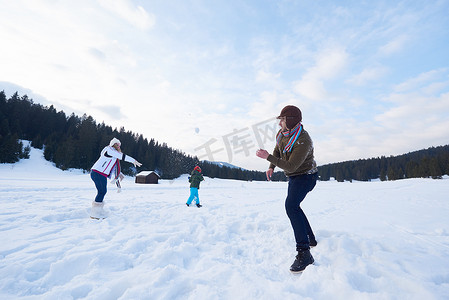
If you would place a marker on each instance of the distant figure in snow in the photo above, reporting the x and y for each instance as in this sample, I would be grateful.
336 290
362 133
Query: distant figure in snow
294 154
108 166
195 178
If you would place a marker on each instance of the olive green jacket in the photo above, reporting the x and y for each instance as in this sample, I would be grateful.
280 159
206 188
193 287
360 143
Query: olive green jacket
297 162
195 179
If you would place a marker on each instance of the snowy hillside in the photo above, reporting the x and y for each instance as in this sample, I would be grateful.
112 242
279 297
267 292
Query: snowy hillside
376 240
223 164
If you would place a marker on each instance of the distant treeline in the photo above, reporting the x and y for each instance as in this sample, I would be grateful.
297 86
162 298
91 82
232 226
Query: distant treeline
432 162
76 142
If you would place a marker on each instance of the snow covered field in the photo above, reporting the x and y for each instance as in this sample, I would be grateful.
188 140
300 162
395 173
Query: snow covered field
376 240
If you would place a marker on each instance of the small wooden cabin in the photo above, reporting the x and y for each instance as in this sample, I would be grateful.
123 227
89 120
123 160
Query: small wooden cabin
147 177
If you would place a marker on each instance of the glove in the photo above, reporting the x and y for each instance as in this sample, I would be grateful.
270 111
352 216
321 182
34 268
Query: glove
136 163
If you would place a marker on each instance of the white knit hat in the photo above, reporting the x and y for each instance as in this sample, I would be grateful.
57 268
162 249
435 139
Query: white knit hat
114 141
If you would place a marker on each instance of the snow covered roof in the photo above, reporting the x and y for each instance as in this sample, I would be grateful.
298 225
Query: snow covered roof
146 173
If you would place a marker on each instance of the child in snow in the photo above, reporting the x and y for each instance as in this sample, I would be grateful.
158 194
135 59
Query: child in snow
294 154
195 178
108 166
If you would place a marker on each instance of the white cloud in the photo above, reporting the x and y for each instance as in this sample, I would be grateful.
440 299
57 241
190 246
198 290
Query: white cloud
97 54
422 79
311 89
267 77
328 64
266 106
367 75
135 15
396 45
414 110
416 120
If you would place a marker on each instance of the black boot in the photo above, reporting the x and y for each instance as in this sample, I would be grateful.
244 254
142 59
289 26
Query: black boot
198 205
303 259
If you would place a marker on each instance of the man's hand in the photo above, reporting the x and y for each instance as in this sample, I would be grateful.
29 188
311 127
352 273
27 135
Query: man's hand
136 163
262 153
269 174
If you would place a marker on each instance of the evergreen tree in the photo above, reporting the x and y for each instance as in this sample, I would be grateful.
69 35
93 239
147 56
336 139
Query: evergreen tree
435 170
391 173
10 149
383 175
86 143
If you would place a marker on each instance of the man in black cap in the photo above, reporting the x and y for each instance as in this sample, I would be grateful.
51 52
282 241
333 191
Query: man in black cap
294 154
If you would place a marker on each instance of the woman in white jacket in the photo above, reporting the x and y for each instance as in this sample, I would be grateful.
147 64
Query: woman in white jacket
108 166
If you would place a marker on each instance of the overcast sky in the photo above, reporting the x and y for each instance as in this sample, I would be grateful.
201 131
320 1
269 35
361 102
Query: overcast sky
207 77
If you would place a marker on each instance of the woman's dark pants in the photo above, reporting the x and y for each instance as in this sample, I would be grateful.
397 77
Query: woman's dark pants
298 187
100 183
